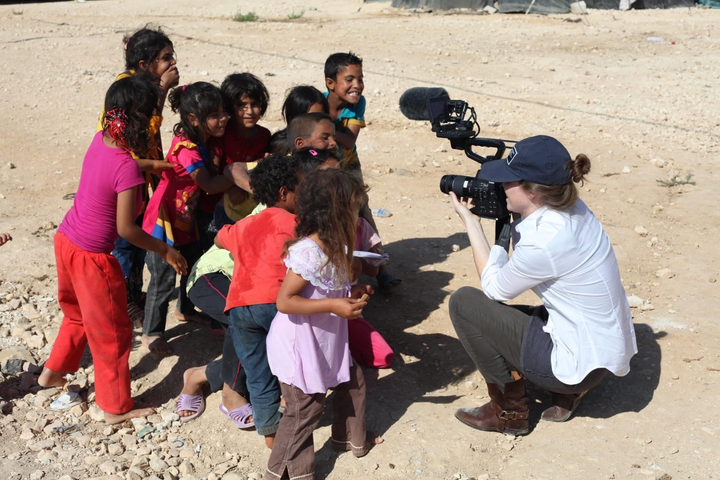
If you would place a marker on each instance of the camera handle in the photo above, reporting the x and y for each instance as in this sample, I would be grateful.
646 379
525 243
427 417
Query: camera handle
466 145
502 233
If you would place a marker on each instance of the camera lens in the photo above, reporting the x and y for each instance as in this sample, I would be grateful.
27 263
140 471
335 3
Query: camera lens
460 184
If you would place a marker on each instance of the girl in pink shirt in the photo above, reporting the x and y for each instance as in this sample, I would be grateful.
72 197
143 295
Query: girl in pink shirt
307 346
91 287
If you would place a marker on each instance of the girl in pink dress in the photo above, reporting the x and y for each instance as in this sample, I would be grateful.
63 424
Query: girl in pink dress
307 344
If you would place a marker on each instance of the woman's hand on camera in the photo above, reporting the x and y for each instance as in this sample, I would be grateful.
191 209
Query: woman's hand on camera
462 208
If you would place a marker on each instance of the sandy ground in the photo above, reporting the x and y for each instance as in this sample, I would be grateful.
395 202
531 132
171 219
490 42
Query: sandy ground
642 111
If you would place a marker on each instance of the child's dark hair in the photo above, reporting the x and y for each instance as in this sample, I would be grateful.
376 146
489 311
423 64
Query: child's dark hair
144 45
238 84
338 62
327 203
299 100
311 159
304 125
270 175
199 98
129 104
278 144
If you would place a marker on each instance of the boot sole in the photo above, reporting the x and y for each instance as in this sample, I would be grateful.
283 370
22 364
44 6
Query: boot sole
508 431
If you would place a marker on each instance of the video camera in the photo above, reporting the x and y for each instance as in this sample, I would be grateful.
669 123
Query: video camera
457 121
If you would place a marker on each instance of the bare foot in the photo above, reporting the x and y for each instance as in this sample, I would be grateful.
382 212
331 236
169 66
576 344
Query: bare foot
232 400
193 381
196 317
50 378
134 413
157 345
270 440
370 441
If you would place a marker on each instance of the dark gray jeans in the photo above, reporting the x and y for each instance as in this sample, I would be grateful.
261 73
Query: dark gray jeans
500 338
161 287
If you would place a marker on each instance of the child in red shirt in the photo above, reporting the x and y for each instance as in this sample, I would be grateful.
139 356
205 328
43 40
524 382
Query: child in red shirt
245 142
256 243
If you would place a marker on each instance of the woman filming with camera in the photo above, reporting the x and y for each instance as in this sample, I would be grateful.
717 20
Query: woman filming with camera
583 329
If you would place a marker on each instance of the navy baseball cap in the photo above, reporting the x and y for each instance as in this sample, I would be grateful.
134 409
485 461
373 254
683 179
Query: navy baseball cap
539 159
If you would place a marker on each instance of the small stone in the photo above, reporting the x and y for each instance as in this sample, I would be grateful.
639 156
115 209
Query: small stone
158 465
134 474
96 414
640 230
93 460
37 475
647 307
254 476
109 467
139 461
78 410
234 476
185 468
115 449
456 248
27 434
673 451
42 445
169 416
507 446
658 162
664 273
129 440
155 418
626 170
712 279
675 376
603 190
635 302
66 477
46 456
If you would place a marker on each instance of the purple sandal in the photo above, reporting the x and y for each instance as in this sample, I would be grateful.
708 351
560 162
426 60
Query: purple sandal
239 415
190 403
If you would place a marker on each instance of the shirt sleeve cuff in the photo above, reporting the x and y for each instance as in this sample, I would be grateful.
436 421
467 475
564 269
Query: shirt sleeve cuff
498 256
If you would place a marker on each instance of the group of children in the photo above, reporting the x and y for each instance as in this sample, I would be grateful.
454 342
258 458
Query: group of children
278 216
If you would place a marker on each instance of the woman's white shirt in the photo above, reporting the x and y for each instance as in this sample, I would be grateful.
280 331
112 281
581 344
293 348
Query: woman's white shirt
566 258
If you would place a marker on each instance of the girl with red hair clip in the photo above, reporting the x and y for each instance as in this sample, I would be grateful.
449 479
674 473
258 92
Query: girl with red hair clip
91 288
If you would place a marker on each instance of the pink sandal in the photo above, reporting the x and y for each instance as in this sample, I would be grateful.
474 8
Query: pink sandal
239 416
190 403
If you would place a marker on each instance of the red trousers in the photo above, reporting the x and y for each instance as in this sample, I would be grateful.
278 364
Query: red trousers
91 293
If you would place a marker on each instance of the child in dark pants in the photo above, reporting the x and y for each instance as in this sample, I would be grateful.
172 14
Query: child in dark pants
256 244
307 346
171 212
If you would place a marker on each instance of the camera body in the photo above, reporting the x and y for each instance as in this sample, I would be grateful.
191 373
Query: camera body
457 121
488 197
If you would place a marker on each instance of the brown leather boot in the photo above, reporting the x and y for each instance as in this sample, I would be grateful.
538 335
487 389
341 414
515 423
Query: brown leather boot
565 405
504 413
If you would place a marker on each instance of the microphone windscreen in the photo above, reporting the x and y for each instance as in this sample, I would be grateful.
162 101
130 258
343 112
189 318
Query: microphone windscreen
413 102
